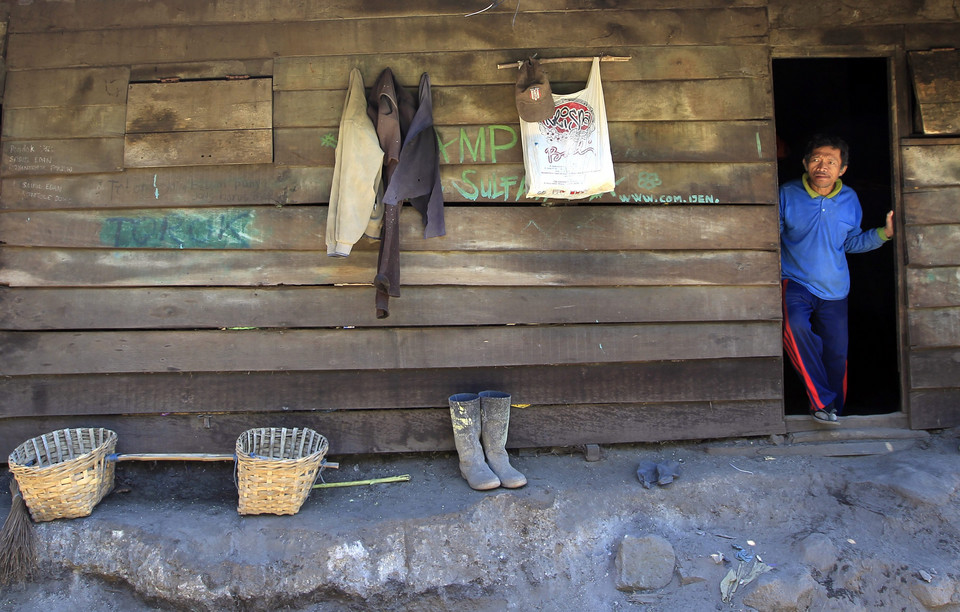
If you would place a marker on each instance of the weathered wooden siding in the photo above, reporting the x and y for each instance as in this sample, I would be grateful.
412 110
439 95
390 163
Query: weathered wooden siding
180 304
931 179
195 285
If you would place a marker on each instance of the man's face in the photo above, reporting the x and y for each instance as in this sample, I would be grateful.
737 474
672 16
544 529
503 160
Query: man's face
824 167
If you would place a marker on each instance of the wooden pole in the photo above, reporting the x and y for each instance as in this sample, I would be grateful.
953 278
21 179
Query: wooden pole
557 60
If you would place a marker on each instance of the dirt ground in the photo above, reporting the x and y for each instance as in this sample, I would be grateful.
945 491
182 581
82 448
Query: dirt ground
850 519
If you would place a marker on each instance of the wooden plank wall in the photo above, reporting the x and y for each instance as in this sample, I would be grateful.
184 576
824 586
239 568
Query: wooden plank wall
932 235
182 304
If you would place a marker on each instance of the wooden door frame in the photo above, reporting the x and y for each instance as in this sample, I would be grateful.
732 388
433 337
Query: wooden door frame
898 96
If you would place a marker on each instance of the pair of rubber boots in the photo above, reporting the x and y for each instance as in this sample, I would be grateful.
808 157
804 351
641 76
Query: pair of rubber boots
480 423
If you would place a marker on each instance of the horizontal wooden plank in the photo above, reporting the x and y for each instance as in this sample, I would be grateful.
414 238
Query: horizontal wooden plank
937 368
26 353
940 117
103 120
652 141
931 206
597 30
537 228
70 87
642 183
34 267
933 287
121 14
934 408
424 430
36 157
645 183
934 327
682 100
199 106
812 14
480 67
933 34
265 307
198 148
175 186
325 391
933 245
221 69
931 166
832 38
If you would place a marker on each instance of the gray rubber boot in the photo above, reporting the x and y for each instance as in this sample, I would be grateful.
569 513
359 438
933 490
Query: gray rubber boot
495 406
466 419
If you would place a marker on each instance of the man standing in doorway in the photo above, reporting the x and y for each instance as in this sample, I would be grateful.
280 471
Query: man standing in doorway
819 224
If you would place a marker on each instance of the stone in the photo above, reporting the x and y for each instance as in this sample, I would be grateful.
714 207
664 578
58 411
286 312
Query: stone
817 551
645 563
785 590
939 593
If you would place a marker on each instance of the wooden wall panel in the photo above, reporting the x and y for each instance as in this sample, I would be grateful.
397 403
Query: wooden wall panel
220 69
64 122
69 156
424 430
282 307
646 183
933 287
931 176
296 228
931 206
934 327
28 267
27 353
199 283
410 35
199 105
931 165
649 141
787 14
198 148
481 67
641 183
66 87
934 408
111 14
171 187
721 99
937 368
933 245
698 380
936 86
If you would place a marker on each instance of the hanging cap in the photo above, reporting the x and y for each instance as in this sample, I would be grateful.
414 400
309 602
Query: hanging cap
534 97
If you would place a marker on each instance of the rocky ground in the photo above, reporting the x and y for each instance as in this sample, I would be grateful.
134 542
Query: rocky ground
850 519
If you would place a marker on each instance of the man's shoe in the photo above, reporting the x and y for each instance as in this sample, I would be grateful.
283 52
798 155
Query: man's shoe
833 414
822 416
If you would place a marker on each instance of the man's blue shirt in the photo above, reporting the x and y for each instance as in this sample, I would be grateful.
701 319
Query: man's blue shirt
816 233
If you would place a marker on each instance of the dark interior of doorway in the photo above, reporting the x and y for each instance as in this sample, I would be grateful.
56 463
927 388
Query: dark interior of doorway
848 97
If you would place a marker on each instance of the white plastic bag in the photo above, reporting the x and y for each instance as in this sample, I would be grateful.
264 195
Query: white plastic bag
568 156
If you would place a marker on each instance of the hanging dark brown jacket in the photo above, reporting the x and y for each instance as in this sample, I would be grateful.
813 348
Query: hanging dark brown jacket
411 172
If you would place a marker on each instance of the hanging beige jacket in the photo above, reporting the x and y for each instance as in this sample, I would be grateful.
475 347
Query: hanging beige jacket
356 194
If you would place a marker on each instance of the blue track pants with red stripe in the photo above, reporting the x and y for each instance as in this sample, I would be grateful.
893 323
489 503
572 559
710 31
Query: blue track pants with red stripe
815 339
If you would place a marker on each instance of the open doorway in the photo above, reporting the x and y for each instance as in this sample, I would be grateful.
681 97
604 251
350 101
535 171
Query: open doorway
849 97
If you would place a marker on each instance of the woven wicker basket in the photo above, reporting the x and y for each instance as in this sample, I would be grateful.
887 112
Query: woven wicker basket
64 473
276 468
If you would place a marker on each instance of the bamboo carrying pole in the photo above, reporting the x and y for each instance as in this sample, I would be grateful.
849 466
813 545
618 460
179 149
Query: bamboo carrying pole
357 483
